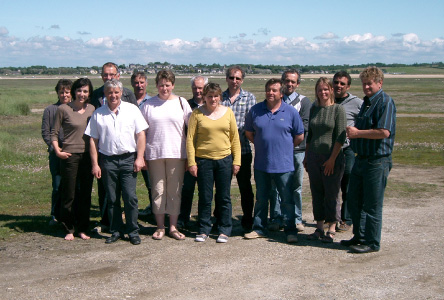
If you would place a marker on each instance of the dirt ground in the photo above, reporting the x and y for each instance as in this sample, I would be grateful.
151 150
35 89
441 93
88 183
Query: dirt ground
410 264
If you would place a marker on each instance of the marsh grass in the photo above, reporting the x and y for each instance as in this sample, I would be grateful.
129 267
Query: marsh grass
24 174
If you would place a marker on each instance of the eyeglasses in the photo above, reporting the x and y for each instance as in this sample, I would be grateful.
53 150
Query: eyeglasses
232 78
339 82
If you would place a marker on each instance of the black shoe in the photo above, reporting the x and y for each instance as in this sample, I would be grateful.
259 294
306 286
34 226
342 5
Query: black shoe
112 239
135 240
361 249
350 242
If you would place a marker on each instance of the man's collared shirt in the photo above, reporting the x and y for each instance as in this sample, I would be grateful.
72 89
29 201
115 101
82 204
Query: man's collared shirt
240 107
274 136
144 100
193 103
116 132
377 112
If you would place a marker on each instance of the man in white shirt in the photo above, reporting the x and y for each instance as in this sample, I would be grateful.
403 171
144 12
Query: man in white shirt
117 131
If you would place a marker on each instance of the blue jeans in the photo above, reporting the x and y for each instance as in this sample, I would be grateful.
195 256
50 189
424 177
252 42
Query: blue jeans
284 184
368 180
275 200
119 177
349 157
216 173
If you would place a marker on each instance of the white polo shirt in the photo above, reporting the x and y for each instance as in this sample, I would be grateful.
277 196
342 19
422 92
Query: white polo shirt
116 132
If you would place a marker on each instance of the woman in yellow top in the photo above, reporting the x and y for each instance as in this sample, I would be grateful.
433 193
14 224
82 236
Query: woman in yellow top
214 156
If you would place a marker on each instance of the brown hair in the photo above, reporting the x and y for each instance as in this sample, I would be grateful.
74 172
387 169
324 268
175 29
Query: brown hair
165 74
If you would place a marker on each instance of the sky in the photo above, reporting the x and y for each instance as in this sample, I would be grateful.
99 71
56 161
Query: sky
286 32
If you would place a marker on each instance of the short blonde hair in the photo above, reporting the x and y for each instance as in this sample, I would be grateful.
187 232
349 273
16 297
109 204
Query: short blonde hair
372 73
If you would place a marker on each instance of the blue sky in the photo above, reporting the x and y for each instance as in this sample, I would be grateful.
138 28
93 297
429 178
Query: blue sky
87 33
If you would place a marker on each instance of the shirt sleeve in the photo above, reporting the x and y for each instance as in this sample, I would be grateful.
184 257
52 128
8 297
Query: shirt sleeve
139 121
91 129
309 133
57 124
341 123
234 140
46 127
191 136
387 118
249 121
298 126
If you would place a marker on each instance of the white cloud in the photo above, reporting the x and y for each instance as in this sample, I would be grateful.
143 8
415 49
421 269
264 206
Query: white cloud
366 38
326 36
352 49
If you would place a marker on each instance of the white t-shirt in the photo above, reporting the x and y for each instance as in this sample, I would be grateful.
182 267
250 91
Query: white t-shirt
116 132
165 137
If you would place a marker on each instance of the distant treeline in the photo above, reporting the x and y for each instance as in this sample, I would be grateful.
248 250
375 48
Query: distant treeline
153 67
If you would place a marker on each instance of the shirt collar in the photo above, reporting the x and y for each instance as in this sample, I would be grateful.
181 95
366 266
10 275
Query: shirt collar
377 93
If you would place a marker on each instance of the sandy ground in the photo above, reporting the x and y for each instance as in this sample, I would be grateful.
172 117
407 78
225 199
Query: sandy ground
409 265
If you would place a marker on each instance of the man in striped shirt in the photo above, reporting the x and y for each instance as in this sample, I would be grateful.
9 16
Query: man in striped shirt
240 102
372 139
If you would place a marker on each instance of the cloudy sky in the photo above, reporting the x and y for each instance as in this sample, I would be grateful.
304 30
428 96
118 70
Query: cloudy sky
88 33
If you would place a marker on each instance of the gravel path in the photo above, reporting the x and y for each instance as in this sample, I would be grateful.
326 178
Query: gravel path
409 265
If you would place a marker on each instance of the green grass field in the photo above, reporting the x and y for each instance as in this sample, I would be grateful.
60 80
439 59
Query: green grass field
25 189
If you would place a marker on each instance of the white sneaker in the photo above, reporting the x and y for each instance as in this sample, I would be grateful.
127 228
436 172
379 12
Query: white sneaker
201 238
222 239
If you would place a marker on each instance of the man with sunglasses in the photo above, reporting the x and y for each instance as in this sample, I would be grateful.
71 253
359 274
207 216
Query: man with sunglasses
240 102
352 106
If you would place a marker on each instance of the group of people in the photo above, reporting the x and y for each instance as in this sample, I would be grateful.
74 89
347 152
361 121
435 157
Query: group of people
343 142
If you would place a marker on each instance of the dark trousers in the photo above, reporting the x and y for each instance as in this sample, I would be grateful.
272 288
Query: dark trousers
54 168
325 189
76 186
146 179
119 178
246 191
189 183
349 158
216 173
368 180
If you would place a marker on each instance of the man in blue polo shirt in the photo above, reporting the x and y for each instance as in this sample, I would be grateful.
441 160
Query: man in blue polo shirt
372 139
275 128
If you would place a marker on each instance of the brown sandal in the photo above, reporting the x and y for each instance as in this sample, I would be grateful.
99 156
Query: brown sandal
317 235
328 237
159 234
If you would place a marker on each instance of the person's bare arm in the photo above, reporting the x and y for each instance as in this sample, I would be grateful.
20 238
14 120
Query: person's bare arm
250 136
93 152
371 134
139 163
297 139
